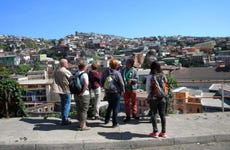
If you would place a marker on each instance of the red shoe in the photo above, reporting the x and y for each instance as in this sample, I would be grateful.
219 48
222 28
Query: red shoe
154 134
163 134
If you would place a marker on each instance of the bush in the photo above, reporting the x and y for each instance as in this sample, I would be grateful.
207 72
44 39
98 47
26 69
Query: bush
172 85
11 104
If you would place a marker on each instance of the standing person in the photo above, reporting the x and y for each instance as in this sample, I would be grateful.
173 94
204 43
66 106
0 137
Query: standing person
83 99
95 87
129 75
150 60
61 76
157 103
113 90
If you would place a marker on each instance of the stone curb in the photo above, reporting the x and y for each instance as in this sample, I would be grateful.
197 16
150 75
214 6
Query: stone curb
125 144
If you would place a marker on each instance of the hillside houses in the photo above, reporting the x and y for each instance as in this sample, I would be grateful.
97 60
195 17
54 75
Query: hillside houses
189 50
185 58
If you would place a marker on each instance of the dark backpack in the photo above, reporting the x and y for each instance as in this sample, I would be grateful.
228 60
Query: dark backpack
159 86
75 85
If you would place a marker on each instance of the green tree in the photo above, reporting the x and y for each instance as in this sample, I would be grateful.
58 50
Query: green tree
22 69
29 43
11 103
4 71
37 66
116 52
95 57
172 85
5 46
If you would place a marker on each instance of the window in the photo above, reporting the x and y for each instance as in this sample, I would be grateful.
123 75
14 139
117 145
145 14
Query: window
180 101
190 109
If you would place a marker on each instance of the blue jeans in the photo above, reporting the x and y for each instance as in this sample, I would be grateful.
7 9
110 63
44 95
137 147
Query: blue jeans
65 106
114 102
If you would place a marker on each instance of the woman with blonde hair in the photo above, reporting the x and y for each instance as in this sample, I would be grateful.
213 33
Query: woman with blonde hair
113 90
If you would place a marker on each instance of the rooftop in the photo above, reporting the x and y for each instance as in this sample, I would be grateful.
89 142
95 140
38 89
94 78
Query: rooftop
191 73
212 102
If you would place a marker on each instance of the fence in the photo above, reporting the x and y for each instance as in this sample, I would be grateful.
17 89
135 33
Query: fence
38 104
222 96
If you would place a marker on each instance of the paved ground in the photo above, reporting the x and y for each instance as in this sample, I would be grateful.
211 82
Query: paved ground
38 133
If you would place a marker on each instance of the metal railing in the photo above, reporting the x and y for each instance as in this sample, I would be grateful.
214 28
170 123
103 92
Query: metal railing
222 82
36 103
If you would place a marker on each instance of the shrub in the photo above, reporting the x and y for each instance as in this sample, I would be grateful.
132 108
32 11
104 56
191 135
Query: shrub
11 104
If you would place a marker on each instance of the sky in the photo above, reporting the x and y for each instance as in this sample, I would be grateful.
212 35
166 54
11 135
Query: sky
55 19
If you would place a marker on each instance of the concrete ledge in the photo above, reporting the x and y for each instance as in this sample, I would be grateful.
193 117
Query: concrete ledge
18 147
133 144
222 138
199 139
36 133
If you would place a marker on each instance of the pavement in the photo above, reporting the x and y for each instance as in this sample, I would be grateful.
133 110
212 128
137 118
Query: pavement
37 133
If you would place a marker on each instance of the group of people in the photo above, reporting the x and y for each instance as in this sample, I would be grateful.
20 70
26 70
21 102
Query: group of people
124 83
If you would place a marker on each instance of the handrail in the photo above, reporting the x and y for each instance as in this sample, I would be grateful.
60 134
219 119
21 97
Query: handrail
178 82
204 81
41 102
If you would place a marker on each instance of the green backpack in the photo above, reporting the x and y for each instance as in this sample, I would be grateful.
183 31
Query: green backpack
110 82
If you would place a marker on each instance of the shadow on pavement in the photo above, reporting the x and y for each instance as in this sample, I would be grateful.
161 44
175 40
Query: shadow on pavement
121 135
52 124
40 120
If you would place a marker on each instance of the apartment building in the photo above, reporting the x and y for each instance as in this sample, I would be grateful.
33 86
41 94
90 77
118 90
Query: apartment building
9 60
37 87
186 100
224 58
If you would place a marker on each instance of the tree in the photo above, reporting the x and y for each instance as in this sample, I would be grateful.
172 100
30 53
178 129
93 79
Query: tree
36 66
29 43
11 103
22 69
5 46
172 85
4 71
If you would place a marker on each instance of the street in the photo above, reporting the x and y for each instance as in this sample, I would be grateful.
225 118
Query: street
195 146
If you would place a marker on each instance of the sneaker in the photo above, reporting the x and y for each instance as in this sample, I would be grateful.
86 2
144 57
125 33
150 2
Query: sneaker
115 125
154 134
127 119
163 134
106 122
92 118
99 118
136 118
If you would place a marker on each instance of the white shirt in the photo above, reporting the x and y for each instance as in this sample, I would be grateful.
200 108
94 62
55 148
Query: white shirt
84 76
